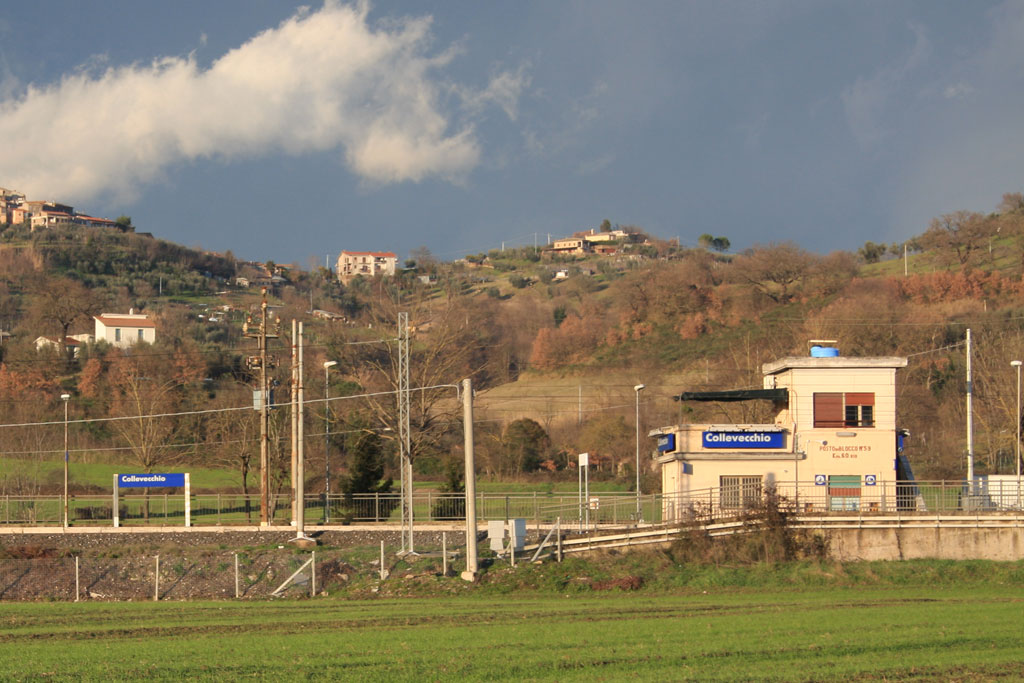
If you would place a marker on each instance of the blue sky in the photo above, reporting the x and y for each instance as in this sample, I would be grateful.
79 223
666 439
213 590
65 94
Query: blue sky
289 132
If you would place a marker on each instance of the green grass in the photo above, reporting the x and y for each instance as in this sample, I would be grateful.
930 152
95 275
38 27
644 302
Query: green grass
968 633
102 474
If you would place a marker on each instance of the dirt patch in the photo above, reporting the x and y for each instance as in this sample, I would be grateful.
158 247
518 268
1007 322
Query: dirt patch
625 583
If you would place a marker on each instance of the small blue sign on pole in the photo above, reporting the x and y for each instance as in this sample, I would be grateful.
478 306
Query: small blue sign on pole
130 481
819 480
870 479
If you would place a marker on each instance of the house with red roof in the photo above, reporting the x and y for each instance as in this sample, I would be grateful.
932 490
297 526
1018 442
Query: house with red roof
125 329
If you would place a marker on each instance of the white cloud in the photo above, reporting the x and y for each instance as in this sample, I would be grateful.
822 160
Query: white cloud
321 80
503 90
956 91
867 101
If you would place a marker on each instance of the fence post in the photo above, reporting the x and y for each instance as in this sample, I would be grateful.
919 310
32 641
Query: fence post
382 570
444 553
156 581
536 511
376 508
76 579
236 575
312 576
559 524
430 508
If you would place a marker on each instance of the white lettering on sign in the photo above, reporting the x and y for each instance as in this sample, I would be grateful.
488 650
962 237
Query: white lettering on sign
731 437
134 478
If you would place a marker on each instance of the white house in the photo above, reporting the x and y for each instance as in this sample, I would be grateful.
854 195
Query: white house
125 329
365 263
73 342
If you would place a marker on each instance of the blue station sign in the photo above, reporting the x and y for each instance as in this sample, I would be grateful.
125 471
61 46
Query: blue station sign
666 443
129 481
743 440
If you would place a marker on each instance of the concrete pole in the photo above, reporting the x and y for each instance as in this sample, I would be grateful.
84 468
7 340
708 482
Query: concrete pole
1017 365
970 420
264 418
470 475
638 388
293 404
300 474
66 398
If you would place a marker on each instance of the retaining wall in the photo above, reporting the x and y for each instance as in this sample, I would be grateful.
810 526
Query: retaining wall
1005 544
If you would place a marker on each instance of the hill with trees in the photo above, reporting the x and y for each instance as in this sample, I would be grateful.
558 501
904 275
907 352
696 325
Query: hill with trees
555 344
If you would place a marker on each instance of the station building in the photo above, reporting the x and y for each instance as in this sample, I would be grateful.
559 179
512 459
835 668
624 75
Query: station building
833 443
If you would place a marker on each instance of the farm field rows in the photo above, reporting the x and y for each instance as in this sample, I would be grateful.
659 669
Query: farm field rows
964 633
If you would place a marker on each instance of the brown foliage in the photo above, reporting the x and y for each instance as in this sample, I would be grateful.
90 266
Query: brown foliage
776 270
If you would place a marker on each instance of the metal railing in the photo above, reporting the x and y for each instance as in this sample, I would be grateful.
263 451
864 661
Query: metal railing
604 509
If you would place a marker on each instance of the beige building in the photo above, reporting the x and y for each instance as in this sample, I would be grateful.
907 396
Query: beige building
832 444
365 263
570 245
124 329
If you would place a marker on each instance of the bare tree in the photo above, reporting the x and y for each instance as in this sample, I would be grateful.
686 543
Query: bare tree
961 234
62 302
776 270
447 343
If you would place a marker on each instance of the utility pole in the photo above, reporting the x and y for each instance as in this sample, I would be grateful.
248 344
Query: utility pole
404 442
467 427
262 362
294 405
328 364
970 420
300 472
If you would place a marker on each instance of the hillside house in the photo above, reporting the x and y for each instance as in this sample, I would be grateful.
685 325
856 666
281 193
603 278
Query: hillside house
365 263
832 444
124 329
570 246
73 342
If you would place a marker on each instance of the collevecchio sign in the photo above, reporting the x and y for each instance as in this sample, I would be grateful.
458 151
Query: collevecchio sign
742 440
127 481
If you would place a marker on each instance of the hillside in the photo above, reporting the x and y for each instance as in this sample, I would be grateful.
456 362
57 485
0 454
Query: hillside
555 346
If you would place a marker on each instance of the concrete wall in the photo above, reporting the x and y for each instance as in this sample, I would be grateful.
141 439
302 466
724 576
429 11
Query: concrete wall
909 544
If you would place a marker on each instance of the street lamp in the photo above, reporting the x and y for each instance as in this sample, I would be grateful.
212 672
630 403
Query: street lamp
65 398
638 388
1017 364
328 364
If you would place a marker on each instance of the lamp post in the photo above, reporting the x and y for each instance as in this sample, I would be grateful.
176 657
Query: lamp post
328 364
1017 364
638 388
65 398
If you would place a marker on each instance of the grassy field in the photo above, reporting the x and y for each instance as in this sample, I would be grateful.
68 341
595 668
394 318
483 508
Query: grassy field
102 474
970 632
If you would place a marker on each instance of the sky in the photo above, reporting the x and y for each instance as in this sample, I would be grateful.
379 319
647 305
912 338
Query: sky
290 132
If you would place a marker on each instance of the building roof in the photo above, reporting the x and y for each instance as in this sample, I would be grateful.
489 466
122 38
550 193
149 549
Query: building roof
378 254
68 341
806 362
125 320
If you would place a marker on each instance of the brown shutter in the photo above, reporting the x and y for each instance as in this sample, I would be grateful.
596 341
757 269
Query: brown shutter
861 399
828 410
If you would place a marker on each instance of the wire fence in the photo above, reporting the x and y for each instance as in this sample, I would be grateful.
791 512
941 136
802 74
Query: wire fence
172 577
825 496
244 510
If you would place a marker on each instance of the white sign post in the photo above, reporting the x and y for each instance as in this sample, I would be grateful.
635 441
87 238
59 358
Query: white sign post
584 494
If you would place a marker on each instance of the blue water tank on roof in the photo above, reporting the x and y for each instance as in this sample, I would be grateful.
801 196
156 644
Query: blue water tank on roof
824 352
